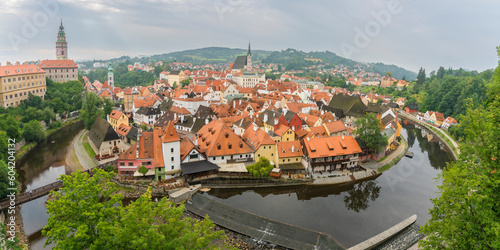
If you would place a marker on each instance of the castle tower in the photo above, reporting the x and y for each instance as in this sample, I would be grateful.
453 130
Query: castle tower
111 78
61 44
249 59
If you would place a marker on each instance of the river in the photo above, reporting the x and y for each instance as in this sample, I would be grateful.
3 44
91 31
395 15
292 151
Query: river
41 166
353 213
350 213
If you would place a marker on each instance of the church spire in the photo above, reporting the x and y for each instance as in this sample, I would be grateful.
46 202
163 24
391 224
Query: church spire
61 44
249 53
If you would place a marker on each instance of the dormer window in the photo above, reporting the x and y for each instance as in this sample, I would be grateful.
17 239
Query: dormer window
241 145
229 146
226 135
218 147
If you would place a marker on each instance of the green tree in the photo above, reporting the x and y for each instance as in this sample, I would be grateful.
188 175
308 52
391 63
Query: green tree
440 73
88 214
4 179
421 77
143 170
90 110
466 214
3 239
261 168
4 145
48 115
83 208
33 132
388 73
185 82
108 106
368 131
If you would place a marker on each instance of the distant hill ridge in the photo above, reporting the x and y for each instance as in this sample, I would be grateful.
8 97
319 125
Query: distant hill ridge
289 58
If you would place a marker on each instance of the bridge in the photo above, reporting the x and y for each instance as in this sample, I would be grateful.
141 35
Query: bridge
36 193
31 195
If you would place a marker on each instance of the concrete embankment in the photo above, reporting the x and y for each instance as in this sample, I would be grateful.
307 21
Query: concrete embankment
350 178
385 235
258 227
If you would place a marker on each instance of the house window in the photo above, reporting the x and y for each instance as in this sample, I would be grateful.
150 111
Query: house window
172 158
272 154
214 158
258 155
194 156
172 167
288 160
122 163
218 147
241 145
283 160
222 157
130 163
171 150
229 146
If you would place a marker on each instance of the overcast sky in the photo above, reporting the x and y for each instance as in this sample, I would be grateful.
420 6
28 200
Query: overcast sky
406 33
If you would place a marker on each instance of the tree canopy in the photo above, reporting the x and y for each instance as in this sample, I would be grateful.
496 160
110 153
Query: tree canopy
466 215
90 110
261 168
88 214
368 131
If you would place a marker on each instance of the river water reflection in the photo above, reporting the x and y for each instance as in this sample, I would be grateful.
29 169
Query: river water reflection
43 165
350 213
354 212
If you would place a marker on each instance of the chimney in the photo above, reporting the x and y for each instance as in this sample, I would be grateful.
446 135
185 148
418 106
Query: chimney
182 118
240 102
265 117
293 148
175 116
373 94
255 128
342 137
206 121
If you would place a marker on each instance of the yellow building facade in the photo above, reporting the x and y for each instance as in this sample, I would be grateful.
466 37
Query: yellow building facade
18 81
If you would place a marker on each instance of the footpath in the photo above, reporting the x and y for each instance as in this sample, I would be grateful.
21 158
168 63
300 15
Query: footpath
81 153
453 148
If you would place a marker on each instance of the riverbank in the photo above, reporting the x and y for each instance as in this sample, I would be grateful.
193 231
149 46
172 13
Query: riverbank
24 150
444 138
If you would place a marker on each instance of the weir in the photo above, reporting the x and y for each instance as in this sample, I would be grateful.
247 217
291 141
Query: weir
258 227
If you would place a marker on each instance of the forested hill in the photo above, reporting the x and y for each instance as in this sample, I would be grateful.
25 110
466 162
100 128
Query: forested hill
210 55
290 59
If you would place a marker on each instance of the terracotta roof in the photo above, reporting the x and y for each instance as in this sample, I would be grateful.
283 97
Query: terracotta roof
450 120
216 139
318 131
282 129
285 149
123 130
439 116
20 70
186 147
146 147
170 135
158 152
331 146
47 64
336 126
256 137
179 110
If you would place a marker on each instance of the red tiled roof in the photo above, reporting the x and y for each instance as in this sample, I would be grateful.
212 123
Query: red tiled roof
115 114
331 146
336 126
216 139
48 64
285 149
170 134
20 70
256 138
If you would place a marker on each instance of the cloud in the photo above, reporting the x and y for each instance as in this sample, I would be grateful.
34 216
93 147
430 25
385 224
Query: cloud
428 34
